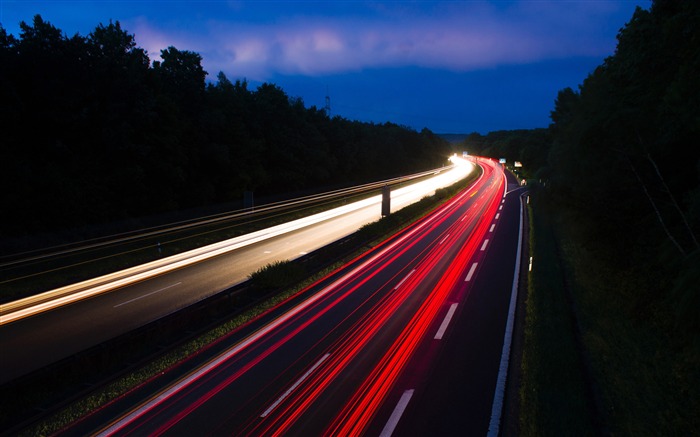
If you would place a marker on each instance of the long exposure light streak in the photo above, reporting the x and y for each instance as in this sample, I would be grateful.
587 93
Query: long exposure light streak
398 309
72 293
354 341
367 399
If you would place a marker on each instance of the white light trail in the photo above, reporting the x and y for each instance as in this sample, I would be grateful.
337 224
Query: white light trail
82 290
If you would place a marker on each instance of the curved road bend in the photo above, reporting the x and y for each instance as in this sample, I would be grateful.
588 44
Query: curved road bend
361 351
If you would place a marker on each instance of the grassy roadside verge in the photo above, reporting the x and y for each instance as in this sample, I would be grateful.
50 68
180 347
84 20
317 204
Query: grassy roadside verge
552 394
645 370
267 278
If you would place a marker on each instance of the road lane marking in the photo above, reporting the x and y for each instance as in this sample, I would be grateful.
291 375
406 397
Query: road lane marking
443 240
295 385
404 279
396 414
529 269
146 295
471 272
267 251
446 321
492 226
483 246
237 348
498 215
499 392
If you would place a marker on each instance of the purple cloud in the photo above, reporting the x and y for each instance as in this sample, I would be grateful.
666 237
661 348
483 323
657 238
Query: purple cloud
454 36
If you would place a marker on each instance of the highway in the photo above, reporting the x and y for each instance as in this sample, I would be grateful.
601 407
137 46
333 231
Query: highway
407 341
41 330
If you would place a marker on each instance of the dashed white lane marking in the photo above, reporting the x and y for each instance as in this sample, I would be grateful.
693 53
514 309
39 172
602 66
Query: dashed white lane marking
404 279
443 240
446 321
492 226
471 272
146 295
295 385
483 246
396 414
498 215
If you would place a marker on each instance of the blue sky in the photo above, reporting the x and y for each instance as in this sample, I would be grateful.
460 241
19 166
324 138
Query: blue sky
450 66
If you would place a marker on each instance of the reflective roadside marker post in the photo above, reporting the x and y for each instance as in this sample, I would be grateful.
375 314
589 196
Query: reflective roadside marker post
386 200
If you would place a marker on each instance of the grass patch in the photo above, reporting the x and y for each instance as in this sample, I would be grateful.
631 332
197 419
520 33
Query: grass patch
648 372
552 392
645 367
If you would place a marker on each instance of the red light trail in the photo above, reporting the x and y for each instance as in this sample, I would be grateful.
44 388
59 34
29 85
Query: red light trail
361 333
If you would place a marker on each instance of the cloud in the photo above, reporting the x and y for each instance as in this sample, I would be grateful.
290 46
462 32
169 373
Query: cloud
456 36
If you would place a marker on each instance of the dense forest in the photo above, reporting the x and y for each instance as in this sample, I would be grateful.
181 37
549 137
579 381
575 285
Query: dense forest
625 156
616 183
622 154
94 131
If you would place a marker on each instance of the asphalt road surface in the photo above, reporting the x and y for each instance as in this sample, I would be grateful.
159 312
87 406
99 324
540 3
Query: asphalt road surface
407 341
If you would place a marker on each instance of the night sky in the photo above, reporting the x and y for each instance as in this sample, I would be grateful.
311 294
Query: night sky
453 67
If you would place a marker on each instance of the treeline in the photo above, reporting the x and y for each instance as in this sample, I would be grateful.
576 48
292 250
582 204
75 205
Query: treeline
625 156
93 132
622 156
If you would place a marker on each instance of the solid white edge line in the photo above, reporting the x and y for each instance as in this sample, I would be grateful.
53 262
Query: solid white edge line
471 272
483 246
499 393
404 279
446 321
396 414
146 295
295 385
505 183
